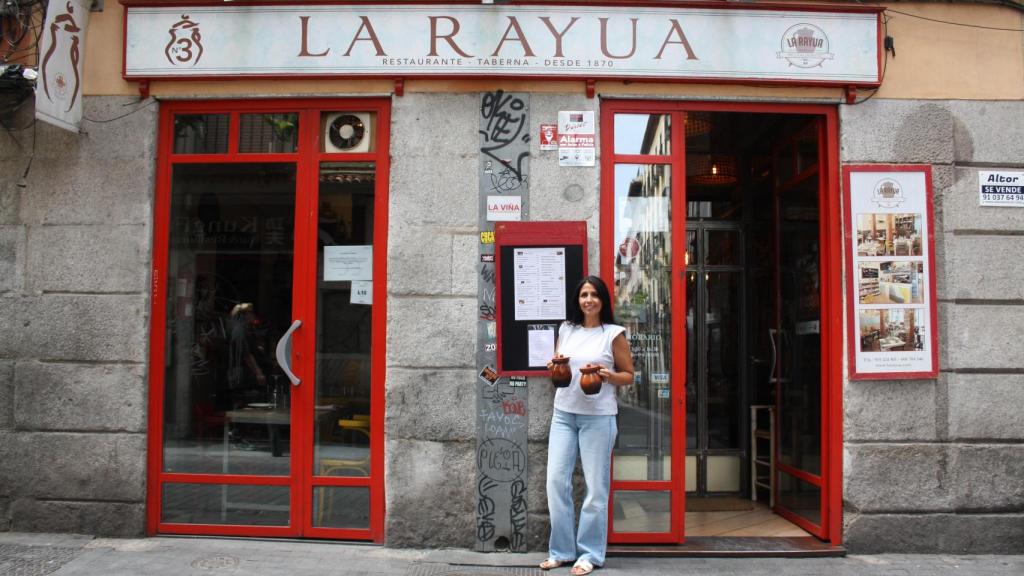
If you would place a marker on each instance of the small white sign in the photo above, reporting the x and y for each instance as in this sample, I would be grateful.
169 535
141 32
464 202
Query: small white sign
504 208
362 292
348 263
576 138
540 344
1001 189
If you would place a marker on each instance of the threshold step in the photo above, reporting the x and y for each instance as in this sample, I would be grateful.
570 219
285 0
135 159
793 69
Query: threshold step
734 547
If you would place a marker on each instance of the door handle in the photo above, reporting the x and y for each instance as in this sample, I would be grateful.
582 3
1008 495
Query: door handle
772 376
284 353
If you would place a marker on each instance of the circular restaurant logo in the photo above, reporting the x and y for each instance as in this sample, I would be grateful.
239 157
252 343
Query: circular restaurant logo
805 46
888 193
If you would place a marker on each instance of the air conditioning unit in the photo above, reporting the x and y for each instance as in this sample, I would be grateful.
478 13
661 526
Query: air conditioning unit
348 132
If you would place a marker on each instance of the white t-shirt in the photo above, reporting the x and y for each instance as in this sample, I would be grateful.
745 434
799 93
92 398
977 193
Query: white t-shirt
587 346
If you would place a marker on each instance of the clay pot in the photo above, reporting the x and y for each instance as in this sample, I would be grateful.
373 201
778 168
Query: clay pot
561 374
590 380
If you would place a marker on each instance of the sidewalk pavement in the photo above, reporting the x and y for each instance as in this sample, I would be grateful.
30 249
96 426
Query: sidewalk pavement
23 554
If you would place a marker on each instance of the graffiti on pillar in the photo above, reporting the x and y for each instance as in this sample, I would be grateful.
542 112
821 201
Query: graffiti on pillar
501 404
504 125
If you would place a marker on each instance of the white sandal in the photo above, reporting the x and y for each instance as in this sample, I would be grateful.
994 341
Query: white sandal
582 567
550 564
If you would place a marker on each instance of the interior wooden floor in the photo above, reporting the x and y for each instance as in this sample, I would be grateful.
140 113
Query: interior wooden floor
758 520
735 528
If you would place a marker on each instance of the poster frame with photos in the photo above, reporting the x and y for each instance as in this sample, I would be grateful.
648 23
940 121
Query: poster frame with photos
861 190
512 336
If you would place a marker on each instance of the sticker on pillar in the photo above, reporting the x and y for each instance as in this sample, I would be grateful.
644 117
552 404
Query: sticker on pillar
517 382
504 208
663 393
362 292
549 136
489 375
487 237
348 263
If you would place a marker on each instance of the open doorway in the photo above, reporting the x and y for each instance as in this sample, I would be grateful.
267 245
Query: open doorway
753 392
722 233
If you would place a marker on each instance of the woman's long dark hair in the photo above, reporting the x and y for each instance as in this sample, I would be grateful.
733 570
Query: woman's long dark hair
576 313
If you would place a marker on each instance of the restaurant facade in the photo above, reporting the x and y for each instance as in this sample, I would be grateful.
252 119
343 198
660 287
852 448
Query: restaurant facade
294 268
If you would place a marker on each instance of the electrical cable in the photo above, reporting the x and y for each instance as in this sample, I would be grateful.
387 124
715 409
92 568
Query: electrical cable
955 23
885 64
149 102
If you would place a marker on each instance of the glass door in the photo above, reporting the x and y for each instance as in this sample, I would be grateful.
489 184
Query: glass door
647 461
715 336
797 341
267 344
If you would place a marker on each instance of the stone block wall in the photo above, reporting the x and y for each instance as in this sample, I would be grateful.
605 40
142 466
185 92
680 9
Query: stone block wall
929 465
75 237
938 466
430 425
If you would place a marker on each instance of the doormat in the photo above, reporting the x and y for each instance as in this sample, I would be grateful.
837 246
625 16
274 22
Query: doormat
722 504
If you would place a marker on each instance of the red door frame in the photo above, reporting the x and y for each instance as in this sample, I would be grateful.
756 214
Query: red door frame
830 232
301 481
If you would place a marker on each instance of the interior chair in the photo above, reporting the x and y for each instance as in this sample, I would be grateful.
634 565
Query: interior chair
343 467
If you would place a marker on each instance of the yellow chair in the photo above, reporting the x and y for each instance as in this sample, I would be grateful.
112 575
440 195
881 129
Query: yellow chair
343 467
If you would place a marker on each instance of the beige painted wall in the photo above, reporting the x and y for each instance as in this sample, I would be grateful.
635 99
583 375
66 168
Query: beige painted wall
933 61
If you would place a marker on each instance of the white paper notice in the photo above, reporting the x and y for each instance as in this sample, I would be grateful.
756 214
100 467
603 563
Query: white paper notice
362 292
576 140
540 343
540 283
348 263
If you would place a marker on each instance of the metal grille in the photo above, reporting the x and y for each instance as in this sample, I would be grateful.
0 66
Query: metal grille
18 560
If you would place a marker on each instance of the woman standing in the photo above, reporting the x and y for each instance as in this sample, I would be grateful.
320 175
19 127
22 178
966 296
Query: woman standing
584 426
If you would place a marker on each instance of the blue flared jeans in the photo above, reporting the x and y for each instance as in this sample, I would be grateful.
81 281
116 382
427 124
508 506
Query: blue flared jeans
591 438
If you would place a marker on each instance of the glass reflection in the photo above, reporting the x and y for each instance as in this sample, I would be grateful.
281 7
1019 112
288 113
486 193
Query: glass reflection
344 321
201 133
226 405
643 284
800 334
341 507
268 133
237 504
642 511
643 134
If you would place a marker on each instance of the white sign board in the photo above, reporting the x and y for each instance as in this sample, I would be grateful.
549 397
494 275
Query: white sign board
576 138
504 208
660 42
348 263
362 292
61 56
891 274
539 275
1001 189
